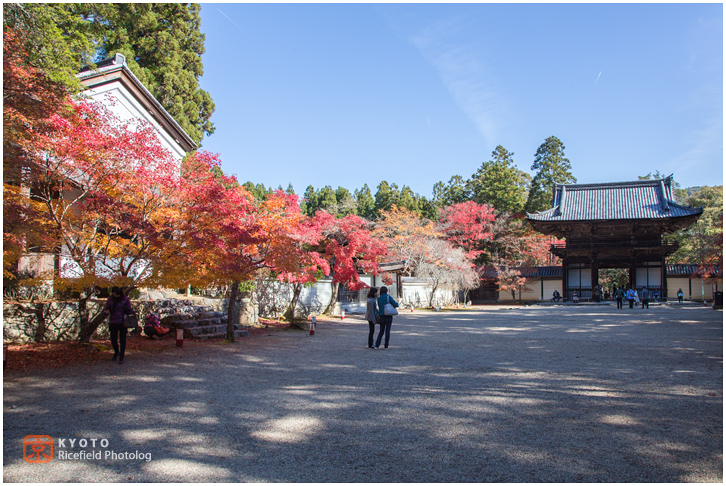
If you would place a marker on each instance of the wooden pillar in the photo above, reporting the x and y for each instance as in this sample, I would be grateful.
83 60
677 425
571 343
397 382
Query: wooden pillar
593 275
564 278
663 279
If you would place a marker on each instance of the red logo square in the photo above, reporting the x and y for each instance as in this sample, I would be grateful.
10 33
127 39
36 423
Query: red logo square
38 448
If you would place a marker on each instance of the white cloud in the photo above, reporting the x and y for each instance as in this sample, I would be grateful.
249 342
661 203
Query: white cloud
465 74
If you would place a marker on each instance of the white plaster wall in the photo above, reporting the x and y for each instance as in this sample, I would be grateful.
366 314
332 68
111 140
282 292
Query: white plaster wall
550 286
125 106
675 283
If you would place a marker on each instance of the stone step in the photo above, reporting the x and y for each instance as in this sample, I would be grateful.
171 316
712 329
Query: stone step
222 335
199 331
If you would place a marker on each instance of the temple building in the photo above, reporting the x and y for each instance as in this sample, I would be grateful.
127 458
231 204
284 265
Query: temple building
614 225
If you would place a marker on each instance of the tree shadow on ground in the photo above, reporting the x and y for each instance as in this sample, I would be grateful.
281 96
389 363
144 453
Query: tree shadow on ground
532 395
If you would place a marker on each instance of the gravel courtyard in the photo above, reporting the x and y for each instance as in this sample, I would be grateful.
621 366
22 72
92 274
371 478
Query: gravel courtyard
536 394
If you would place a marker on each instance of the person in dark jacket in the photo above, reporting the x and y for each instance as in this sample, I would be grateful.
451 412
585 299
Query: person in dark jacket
645 297
619 296
371 314
386 321
117 306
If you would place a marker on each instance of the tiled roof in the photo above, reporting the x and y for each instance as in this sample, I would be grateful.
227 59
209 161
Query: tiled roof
528 272
651 199
688 269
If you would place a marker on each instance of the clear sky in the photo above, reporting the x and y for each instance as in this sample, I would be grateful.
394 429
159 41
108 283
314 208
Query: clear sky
347 94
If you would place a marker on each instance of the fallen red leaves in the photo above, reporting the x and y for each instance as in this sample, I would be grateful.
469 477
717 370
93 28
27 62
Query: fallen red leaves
35 356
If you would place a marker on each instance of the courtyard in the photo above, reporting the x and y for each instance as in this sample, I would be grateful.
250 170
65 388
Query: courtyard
583 393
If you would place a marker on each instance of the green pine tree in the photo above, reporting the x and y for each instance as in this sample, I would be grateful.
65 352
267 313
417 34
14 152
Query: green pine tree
163 45
498 182
309 203
365 202
552 168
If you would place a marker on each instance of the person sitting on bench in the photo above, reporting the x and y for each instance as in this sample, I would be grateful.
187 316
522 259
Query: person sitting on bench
556 296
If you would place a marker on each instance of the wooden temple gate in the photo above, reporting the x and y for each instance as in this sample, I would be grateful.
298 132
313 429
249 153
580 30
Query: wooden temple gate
613 225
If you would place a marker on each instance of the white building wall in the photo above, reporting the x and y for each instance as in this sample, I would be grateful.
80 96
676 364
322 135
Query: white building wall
125 106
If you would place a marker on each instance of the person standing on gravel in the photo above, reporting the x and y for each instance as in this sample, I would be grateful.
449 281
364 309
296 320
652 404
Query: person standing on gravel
117 306
619 295
372 315
645 296
630 295
386 321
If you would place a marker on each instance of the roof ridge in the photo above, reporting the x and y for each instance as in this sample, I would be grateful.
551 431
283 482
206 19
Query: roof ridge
647 182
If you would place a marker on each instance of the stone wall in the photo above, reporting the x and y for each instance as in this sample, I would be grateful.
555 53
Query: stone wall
58 321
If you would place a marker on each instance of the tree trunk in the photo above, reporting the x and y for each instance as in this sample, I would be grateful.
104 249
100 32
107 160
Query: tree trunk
233 310
88 325
433 292
333 298
42 325
290 312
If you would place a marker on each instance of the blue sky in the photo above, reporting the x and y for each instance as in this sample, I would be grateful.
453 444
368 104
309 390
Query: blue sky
347 94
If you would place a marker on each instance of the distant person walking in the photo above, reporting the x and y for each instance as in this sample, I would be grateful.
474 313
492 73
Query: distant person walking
117 306
372 315
680 295
619 296
644 298
630 295
386 321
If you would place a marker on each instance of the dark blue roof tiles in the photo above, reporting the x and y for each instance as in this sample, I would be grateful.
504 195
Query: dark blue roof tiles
650 199
690 269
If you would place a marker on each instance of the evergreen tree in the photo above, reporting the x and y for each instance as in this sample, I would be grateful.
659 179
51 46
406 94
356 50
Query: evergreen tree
706 234
498 182
386 196
552 168
327 199
453 192
407 199
258 191
163 45
438 195
365 203
427 208
309 203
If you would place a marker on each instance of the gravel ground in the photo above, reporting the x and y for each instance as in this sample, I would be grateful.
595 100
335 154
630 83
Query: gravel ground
533 394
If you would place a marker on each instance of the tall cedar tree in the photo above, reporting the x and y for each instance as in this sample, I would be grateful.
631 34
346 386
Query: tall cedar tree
552 168
163 46
498 182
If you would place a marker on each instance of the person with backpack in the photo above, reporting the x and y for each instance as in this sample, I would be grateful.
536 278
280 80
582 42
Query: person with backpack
386 317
